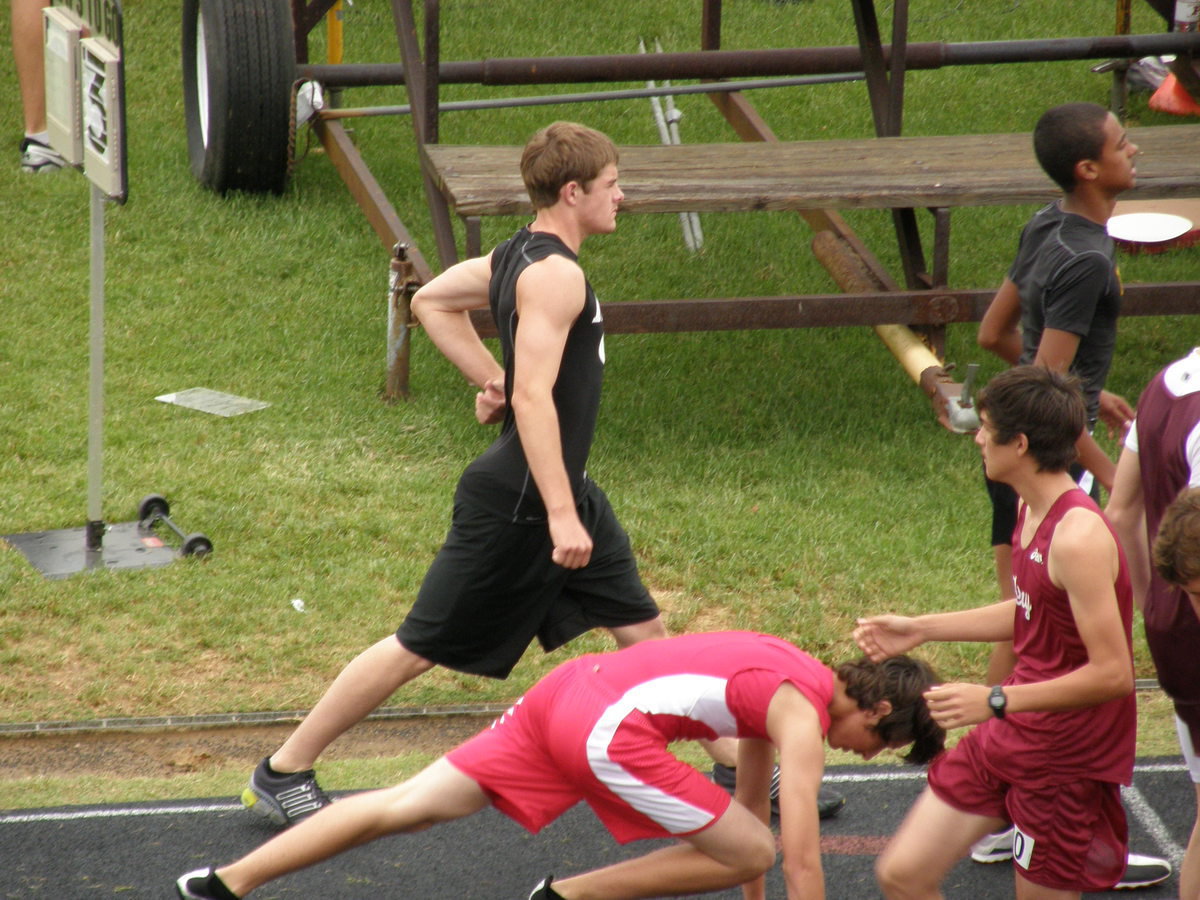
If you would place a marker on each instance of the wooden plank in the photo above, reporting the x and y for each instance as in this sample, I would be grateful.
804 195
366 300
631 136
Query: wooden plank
880 173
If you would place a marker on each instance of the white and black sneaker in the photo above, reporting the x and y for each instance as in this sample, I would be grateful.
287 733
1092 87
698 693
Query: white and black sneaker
284 799
543 891
203 884
1141 871
994 848
38 158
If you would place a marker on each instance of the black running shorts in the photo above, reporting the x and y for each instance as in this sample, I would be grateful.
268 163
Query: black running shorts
493 588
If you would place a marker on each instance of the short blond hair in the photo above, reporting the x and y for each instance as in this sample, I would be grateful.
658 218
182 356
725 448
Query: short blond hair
561 153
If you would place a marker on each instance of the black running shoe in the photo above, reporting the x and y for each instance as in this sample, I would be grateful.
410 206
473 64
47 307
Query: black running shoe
829 801
544 892
1143 871
284 799
203 884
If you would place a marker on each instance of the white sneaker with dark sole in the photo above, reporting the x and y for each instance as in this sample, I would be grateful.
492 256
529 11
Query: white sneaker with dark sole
1141 871
37 158
993 848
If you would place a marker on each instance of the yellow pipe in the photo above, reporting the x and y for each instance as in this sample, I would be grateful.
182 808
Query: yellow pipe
851 275
333 33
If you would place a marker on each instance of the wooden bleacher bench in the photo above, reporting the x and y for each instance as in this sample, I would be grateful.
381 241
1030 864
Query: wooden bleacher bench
883 173
880 173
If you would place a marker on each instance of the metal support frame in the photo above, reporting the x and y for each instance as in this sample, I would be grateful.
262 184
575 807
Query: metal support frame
422 72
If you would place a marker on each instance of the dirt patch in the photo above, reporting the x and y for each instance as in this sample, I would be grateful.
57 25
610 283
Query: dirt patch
160 754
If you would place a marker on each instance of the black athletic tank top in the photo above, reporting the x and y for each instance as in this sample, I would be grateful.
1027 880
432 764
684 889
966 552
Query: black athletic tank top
499 480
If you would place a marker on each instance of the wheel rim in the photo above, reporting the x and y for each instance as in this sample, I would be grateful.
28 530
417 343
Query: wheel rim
202 79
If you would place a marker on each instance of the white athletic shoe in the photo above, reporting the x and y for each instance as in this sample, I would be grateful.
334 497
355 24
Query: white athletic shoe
38 158
1141 871
993 848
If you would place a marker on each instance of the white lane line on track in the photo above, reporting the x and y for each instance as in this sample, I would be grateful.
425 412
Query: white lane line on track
121 812
116 812
1150 820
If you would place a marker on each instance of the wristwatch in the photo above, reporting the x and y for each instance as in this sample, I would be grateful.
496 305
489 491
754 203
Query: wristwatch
997 701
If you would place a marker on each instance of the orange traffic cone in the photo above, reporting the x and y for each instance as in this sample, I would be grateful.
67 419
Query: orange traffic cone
1171 97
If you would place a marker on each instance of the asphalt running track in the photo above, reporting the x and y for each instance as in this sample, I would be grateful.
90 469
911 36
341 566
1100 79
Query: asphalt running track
138 850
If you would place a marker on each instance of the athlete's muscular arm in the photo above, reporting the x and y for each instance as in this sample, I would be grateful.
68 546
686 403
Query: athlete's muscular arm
1126 510
550 296
795 728
1083 561
755 760
881 637
443 307
999 330
1056 351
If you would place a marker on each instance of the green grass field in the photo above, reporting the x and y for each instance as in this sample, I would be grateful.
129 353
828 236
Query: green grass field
787 481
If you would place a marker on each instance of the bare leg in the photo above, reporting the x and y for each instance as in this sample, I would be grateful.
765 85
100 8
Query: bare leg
1003 660
628 635
363 685
440 793
1189 872
1027 890
735 849
27 55
932 838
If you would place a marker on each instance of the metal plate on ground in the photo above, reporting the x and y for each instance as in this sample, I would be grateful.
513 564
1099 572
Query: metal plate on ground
215 402
61 553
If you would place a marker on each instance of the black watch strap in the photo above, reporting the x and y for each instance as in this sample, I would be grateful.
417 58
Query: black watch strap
997 701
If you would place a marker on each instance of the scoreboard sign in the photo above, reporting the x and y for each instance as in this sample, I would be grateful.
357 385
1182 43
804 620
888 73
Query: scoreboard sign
85 91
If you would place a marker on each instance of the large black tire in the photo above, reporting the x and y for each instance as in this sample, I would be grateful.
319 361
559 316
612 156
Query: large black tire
239 62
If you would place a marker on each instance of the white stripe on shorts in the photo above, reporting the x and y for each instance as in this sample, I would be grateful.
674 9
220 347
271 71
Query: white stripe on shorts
697 697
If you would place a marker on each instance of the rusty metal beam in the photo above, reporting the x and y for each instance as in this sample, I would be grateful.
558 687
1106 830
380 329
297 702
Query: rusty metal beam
751 63
842 310
306 15
368 194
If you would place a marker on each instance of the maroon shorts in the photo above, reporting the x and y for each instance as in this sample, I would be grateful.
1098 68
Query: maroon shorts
572 738
1069 837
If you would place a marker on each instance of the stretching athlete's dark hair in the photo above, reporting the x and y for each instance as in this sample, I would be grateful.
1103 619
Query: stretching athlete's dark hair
1066 135
902 681
1045 406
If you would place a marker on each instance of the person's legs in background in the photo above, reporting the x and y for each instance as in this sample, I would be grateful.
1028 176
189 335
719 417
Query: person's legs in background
36 153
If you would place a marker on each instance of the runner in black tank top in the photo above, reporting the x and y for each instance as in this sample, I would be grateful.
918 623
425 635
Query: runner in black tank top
500 480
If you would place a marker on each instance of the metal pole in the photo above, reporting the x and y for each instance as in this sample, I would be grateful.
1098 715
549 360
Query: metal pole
752 63
691 220
95 525
592 96
664 135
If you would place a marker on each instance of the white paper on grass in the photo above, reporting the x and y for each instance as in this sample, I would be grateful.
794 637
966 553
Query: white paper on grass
215 402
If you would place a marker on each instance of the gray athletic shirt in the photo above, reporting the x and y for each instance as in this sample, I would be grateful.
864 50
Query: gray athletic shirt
1068 280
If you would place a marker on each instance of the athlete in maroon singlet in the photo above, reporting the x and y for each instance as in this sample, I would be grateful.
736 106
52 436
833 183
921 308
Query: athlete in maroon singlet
1053 744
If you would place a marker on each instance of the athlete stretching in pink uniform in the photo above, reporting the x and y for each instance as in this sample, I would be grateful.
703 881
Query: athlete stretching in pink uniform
597 729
